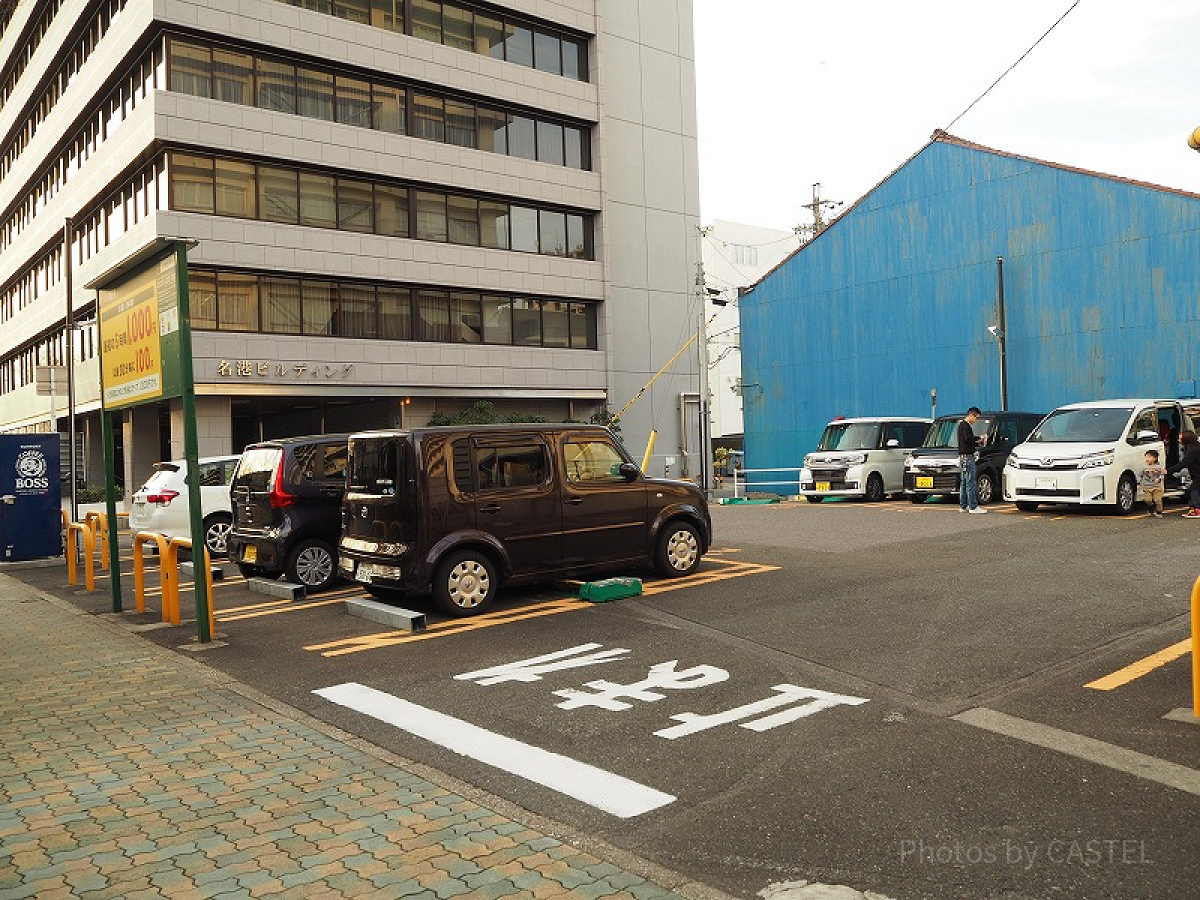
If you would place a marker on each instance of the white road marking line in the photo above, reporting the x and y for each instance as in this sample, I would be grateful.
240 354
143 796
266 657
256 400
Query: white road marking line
596 787
1099 752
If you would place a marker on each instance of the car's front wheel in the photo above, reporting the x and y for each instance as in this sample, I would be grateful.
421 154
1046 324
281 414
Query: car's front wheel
465 583
1126 495
874 492
986 488
216 533
312 564
678 551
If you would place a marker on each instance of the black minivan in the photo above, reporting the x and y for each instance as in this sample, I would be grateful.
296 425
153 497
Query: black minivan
932 468
286 497
456 510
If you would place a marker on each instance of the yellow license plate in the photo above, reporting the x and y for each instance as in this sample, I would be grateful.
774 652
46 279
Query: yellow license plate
249 553
822 485
924 481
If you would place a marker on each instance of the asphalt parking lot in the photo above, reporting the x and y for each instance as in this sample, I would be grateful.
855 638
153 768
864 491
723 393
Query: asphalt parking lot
892 697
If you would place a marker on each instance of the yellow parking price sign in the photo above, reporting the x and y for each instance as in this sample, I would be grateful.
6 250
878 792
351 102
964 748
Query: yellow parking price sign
132 328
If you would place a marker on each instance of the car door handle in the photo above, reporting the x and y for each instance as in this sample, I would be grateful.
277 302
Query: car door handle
490 508
575 501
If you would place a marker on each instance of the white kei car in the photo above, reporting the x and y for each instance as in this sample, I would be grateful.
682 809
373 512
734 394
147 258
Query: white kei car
161 504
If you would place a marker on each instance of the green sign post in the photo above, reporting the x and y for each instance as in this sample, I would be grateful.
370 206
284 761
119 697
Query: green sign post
145 357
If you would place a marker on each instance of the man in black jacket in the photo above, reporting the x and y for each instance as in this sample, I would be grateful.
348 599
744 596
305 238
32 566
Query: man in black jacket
968 490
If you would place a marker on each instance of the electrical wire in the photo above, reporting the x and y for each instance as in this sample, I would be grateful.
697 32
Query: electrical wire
1013 66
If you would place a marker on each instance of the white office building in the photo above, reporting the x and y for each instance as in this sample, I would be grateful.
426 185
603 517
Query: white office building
399 208
735 256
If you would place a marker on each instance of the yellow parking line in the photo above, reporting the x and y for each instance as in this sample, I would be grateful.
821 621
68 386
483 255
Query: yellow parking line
1141 667
289 606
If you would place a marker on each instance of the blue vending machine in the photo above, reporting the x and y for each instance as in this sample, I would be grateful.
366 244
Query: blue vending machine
30 497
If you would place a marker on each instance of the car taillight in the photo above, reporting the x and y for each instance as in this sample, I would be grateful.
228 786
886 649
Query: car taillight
163 497
279 498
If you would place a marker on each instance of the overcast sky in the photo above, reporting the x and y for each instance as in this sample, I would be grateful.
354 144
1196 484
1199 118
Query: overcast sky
842 92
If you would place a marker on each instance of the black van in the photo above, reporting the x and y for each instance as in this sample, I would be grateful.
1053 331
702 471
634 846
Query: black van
286 497
456 511
932 468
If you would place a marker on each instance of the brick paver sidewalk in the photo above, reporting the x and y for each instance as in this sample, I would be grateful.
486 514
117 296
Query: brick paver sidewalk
129 771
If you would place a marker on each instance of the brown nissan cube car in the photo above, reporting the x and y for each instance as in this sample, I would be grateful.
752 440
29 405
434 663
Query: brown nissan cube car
457 511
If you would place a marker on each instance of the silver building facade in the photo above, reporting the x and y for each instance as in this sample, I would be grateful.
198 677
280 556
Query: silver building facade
398 208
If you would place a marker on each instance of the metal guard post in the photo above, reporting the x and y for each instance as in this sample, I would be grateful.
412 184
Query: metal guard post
139 567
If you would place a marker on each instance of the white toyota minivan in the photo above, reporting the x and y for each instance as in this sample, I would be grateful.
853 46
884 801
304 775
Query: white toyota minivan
1092 453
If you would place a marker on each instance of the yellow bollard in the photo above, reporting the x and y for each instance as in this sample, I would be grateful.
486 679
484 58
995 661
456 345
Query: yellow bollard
99 523
89 551
649 449
139 564
1196 649
172 560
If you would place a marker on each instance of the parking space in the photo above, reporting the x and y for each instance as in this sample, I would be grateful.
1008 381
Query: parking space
826 663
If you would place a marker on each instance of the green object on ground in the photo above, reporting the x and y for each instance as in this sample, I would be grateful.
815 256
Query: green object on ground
610 589
746 501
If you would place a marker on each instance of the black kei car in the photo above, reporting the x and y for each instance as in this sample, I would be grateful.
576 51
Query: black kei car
286 497
932 468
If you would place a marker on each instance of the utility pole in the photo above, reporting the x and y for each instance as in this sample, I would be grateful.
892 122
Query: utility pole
817 208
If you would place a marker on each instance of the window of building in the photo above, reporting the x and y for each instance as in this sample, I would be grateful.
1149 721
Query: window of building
314 94
496 316
427 20
463 220
356 311
388 14
489 36
521 137
236 193
237 302
202 299
192 183
429 117
281 305
353 10
465 318
189 68
578 237
553 232
547 52
575 153
388 108
278 195
550 143
556 325
456 27
493 224
460 123
518 44
524 229
319 299
583 326
356 206
491 126
276 82
431 216
527 322
433 316
233 76
353 101
391 210
395 314
318 200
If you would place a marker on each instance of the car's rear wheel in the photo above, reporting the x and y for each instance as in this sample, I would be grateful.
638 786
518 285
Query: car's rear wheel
216 533
986 488
311 564
465 583
678 551
874 492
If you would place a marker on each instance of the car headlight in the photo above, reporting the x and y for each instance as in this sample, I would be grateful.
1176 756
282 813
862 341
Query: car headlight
808 461
1012 462
855 459
1104 458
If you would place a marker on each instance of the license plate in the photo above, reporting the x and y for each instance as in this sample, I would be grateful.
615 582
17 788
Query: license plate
364 573
249 553
1045 484
822 485
924 481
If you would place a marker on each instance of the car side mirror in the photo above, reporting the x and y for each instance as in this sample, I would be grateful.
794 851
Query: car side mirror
629 471
1147 437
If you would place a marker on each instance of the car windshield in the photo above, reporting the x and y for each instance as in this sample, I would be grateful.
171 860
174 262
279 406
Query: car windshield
944 432
850 436
374 465
1092 424
256 467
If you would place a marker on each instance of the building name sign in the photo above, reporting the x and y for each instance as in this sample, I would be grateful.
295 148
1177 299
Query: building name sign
252 368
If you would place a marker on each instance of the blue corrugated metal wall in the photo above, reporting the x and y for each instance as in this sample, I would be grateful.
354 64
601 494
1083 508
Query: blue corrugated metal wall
1102 299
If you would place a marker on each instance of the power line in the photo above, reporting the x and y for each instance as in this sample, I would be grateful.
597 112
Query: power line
1013 66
